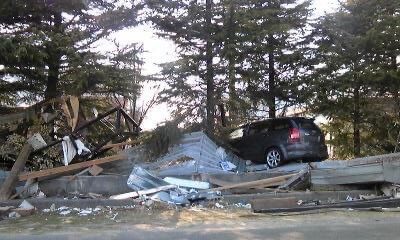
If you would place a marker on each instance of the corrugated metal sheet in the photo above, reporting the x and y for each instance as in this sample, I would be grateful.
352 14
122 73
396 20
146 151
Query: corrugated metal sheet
201 154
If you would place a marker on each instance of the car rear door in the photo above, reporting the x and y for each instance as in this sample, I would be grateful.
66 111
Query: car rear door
256 140
309 131
279 132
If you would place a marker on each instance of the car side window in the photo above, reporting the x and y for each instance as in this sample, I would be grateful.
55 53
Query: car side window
260 128
238 133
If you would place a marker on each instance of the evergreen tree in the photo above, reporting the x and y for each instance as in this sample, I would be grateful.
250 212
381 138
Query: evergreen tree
47 48
275 47
191 79
350 60
256 54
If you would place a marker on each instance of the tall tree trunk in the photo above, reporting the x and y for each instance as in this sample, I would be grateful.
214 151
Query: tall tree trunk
54 60
233 97
357 120
210 105
271 81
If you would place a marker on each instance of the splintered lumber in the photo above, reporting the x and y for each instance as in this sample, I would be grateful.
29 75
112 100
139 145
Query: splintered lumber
275 181
142 192
296 180
95 170
69 168
12 179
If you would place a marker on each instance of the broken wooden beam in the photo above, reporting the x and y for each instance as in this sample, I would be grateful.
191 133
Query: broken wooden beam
297 180
69 168
11 181
269 182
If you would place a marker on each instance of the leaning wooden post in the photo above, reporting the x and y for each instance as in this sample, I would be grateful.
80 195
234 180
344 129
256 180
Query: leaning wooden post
12 179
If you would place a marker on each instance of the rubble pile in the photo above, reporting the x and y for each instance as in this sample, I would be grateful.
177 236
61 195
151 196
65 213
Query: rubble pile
193 174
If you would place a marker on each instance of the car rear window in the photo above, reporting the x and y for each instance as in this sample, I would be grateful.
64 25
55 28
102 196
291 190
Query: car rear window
280 124
306 124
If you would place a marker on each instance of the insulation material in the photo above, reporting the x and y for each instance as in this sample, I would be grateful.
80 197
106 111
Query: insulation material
70 149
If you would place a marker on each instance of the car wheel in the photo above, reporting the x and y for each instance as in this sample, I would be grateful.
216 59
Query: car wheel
273 157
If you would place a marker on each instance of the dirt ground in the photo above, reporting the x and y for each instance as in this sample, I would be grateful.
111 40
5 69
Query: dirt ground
202 223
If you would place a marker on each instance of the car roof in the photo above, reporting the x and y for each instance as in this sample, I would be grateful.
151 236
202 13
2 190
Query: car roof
270 119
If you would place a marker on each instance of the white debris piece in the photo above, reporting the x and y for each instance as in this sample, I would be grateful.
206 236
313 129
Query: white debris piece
241 205
53 207
62 208
223 160
218 205
70 151
66 212
227 166
86 212
26 205
37 141
41 195
14 215
187 183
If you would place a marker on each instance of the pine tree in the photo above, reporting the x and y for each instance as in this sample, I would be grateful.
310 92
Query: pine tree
191 79
47 48
254 49
275 45
350 60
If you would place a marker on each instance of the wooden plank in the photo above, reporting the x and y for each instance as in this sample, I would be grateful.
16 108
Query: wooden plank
391 171
379 159
11 181
264 183
69 168
370 173
374 159
113 145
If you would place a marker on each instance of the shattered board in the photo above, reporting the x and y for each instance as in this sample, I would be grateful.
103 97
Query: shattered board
196 153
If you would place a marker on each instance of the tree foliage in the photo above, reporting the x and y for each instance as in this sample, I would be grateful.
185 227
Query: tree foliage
258 49
47 48
356 82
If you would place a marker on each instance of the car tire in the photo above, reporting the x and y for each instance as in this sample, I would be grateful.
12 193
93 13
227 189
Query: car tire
273 157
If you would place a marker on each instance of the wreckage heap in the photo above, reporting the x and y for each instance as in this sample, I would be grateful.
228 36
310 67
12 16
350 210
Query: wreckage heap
198 171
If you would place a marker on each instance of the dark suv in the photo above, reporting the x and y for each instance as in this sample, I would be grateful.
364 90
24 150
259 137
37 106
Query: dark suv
274 141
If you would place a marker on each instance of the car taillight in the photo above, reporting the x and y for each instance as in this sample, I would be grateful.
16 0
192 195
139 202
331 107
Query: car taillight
294 135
